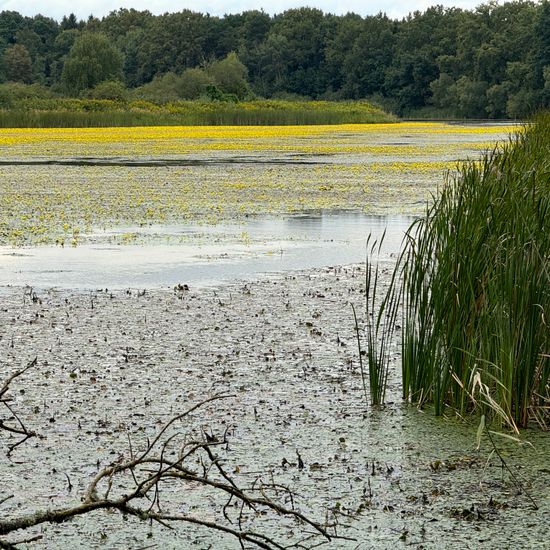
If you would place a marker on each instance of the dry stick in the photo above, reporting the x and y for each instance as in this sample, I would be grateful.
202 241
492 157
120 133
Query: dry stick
63 514
22 429
185 474
225 507
13 429
216 463
214 460
258 539
156 496
248 499
22 541
276 488
514 477
131 457
5 499
15 375
183 415
111 470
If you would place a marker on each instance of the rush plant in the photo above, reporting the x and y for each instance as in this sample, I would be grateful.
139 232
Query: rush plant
475 294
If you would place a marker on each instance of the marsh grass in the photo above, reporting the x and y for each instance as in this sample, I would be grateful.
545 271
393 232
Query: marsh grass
379 327
475 287
78 113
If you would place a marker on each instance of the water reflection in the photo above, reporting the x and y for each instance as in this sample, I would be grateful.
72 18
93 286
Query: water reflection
208 254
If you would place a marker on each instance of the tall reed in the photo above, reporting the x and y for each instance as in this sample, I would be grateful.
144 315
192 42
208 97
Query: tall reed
381 315
476 287
78 113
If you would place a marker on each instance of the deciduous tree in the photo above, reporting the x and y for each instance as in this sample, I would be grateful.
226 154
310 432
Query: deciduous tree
92 60
18 64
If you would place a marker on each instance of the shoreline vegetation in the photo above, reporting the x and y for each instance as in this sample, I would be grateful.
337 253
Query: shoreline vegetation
490 62
82 113
473 282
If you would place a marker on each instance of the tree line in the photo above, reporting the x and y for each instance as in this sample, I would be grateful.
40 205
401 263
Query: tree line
493 61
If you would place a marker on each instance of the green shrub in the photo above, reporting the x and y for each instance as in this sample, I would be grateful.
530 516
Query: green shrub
230 76
13 92
162 89
68 112
193 84
109 89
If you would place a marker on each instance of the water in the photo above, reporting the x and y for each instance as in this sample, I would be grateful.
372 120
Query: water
203 255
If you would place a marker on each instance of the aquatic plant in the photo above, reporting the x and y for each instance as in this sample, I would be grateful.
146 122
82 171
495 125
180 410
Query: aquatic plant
174 174
476 287
379 327
82 113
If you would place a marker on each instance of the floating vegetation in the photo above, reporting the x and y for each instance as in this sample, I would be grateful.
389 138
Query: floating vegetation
417 138
225 173
284 345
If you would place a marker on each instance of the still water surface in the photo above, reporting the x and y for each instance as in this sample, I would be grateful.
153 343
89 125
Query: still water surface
204 255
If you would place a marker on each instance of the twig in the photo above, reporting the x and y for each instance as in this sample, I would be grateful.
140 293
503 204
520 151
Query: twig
21 429
5 499
15 375
153 466
518 483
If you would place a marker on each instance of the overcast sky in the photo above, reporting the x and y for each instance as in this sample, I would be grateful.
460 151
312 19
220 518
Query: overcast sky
83 8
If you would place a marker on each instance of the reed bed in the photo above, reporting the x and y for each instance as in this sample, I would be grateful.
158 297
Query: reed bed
474 285
83 113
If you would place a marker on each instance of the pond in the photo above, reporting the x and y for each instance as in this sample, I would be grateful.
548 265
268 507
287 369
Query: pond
263 225
58 186
114 366
154 207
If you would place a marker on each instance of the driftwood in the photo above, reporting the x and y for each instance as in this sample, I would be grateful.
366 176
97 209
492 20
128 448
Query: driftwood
132 486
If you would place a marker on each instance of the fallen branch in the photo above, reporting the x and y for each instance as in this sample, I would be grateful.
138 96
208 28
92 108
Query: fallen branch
19 428
132 486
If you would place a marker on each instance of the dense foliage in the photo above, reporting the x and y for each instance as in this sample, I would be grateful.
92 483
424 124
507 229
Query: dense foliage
476 288
493 61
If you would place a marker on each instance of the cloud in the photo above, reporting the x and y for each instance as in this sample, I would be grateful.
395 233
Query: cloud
58 8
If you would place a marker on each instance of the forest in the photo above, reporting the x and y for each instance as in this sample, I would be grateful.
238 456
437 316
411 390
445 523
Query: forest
491 62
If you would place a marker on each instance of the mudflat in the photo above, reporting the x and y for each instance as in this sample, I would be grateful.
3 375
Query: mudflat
113 366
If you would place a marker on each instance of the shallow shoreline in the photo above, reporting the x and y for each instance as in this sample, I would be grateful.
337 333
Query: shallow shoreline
110 363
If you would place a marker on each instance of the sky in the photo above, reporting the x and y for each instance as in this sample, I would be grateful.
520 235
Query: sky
83 8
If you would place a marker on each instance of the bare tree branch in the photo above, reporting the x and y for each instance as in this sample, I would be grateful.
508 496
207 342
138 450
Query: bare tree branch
17 373
20 428
168 458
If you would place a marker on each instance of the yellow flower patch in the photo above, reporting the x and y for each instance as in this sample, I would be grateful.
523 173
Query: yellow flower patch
240 171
